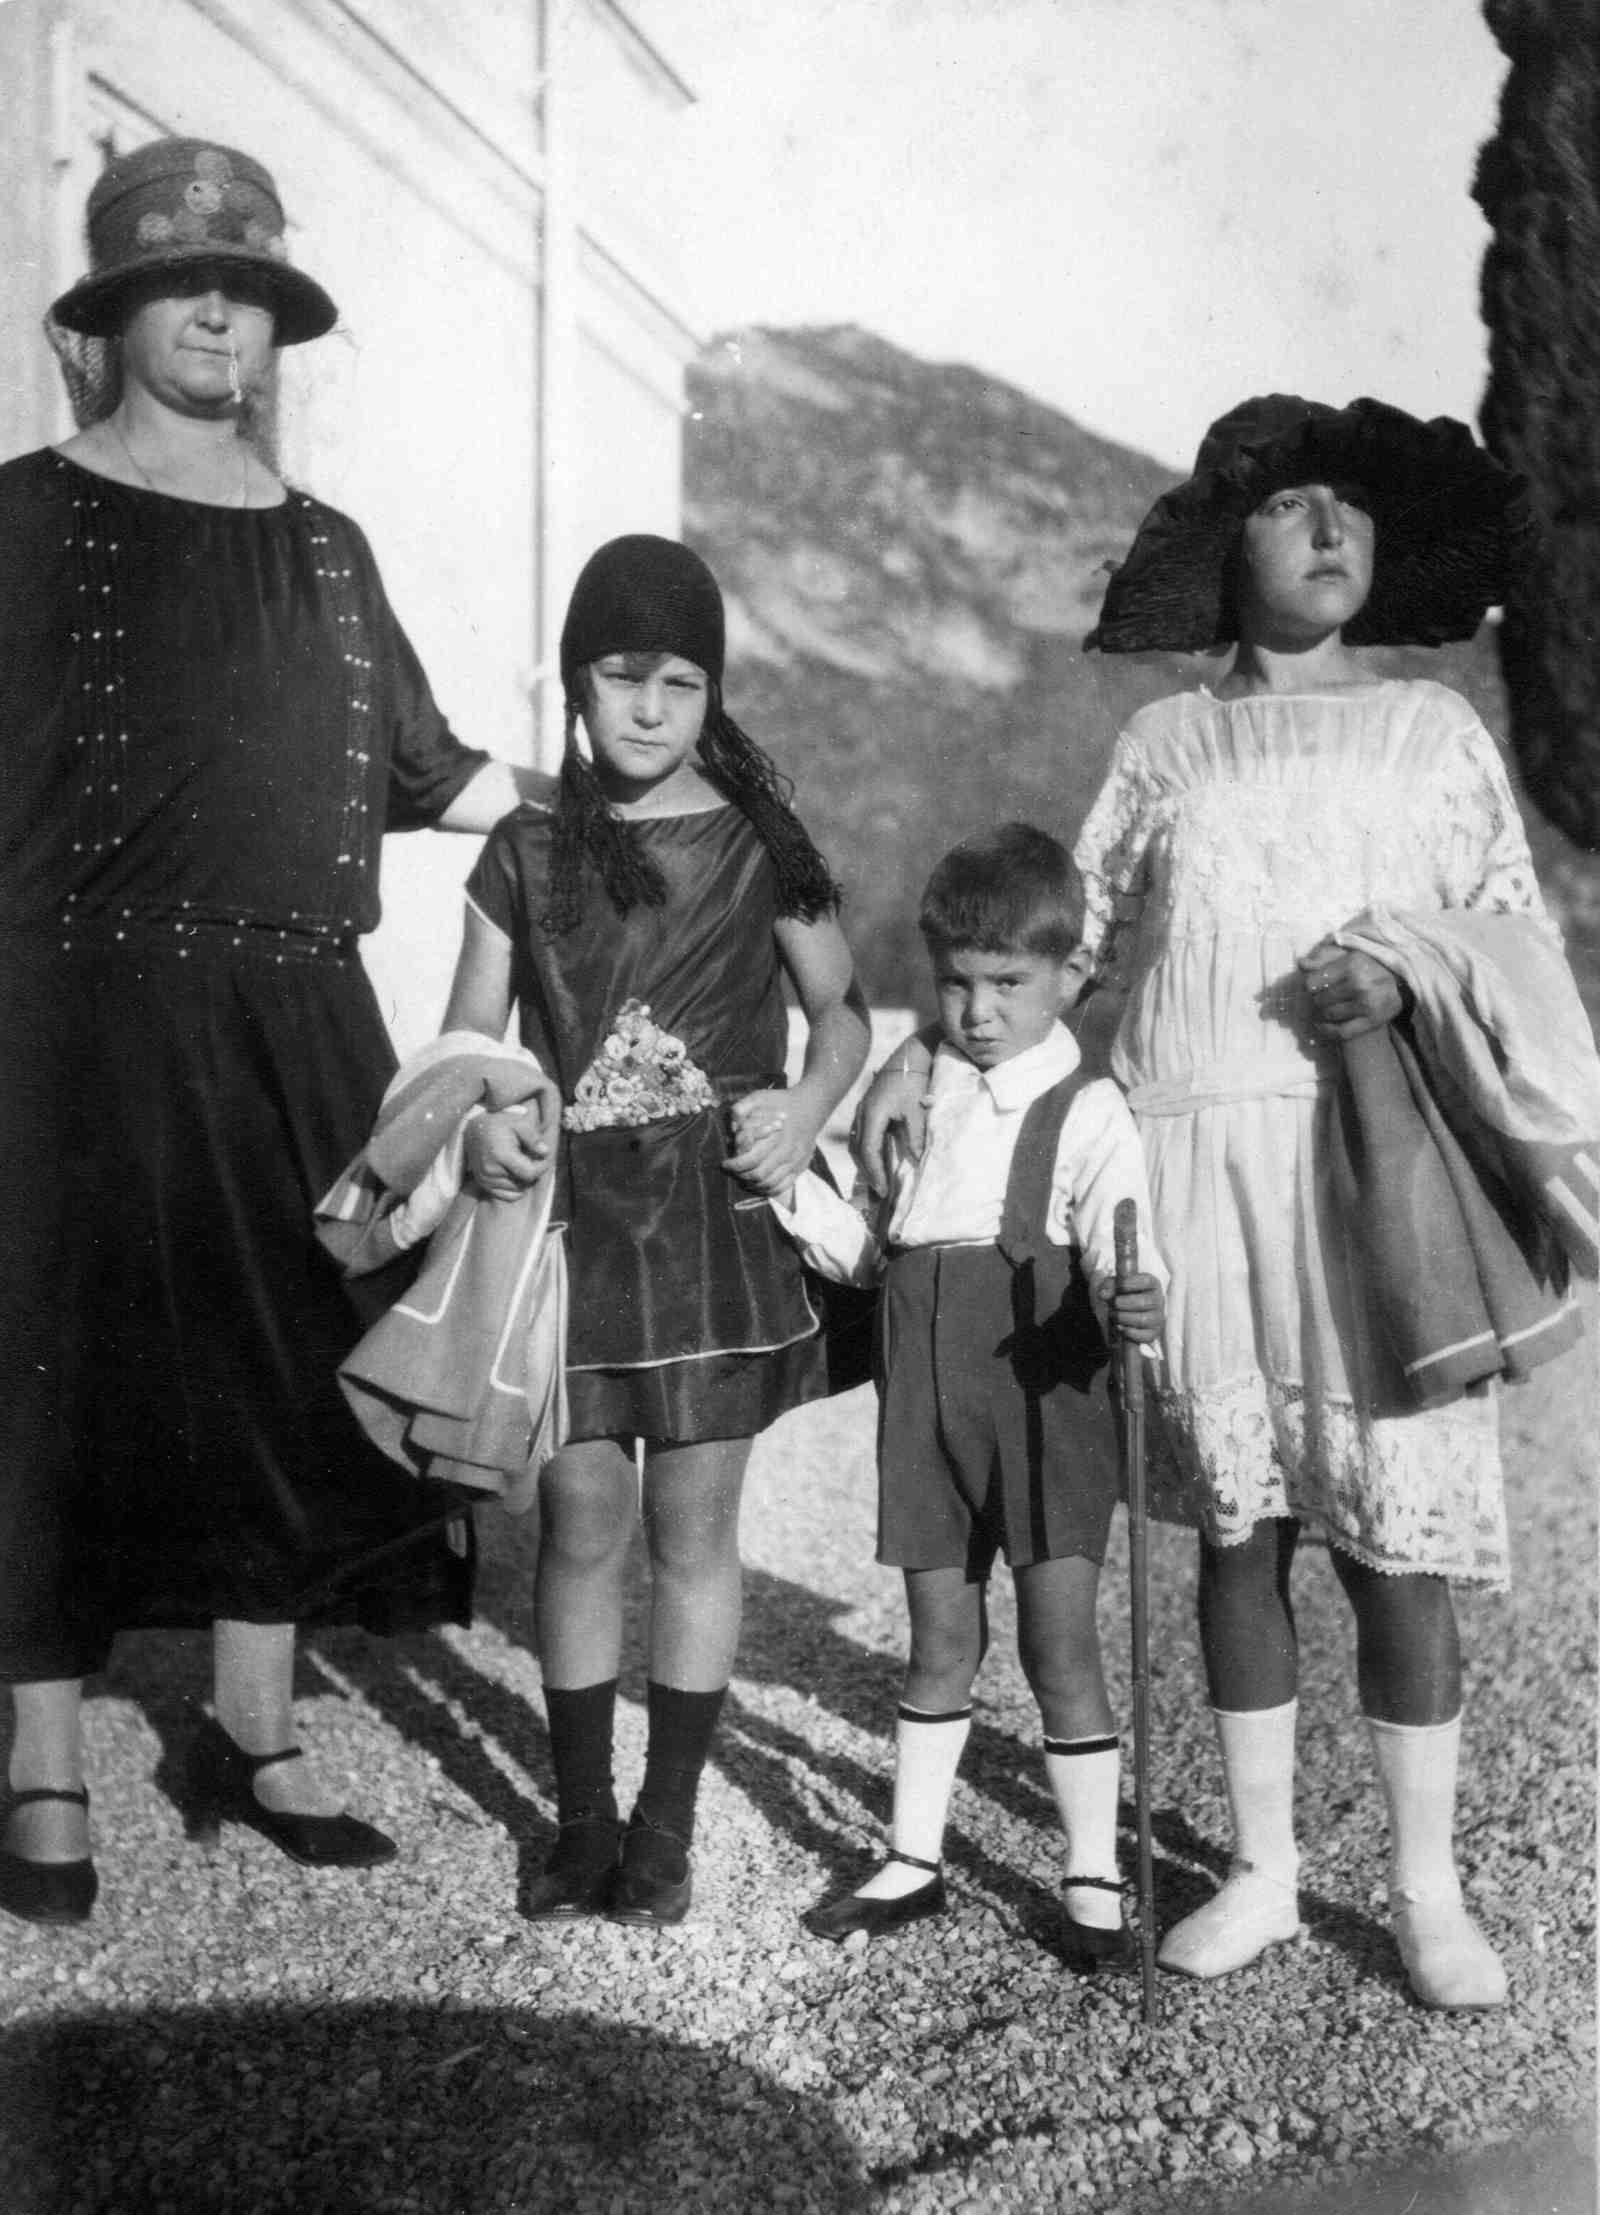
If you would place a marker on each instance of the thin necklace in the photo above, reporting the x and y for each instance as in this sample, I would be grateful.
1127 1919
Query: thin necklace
244 467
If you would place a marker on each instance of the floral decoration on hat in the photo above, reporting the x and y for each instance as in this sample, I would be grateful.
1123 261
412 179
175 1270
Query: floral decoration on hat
180 201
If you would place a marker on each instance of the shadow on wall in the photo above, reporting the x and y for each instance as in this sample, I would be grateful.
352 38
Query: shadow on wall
294 2111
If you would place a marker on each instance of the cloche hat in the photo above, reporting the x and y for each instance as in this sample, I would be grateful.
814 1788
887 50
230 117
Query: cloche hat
1450 521
179 203
644 595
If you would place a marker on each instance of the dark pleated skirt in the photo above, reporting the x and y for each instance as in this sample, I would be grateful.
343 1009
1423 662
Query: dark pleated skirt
690 1319
174 1447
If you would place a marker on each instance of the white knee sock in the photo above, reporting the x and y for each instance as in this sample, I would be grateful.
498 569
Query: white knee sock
928 1751
1417 1770
1258 1764
1084 1774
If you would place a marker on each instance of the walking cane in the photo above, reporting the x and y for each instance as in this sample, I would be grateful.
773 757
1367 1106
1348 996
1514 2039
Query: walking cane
1131 1368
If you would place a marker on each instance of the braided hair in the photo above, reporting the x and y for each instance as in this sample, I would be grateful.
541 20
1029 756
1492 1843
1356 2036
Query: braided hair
642 594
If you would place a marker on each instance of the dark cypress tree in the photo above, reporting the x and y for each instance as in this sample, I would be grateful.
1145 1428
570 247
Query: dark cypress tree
1538 183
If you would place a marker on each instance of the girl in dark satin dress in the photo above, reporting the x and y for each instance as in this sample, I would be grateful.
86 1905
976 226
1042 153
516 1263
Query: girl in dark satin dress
641 924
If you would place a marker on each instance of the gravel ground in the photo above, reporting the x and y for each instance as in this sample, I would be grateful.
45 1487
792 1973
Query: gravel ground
232 2033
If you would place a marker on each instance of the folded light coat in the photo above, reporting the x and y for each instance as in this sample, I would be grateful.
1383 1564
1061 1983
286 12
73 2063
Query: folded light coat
464 1376
1470 1149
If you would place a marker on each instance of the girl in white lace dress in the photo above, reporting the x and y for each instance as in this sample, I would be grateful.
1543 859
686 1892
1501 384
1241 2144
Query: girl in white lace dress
1237 831
1240 831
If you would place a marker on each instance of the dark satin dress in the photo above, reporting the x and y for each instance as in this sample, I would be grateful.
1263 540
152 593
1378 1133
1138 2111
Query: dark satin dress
210 716
689 1316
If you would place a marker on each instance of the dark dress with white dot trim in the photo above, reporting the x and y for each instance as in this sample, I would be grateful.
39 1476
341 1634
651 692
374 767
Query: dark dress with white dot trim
210 717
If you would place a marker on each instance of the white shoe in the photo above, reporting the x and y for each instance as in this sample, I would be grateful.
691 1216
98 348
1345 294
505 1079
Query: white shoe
1448 1959
1251 1912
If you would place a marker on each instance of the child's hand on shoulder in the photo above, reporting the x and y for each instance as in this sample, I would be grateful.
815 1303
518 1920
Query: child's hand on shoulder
773 1138
1134 1306
511 1148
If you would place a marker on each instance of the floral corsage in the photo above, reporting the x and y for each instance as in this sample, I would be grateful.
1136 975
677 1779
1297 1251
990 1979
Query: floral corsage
641 1074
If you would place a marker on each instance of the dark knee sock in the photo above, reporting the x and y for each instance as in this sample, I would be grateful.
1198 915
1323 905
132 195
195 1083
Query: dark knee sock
681 1728
580 1750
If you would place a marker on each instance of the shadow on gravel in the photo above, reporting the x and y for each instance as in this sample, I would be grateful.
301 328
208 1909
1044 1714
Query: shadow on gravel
420 1683
1547 2175
397 2110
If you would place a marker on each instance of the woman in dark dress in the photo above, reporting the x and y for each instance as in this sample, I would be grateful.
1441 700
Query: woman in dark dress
211 716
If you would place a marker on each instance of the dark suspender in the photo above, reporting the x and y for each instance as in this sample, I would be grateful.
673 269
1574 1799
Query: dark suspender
1022 1219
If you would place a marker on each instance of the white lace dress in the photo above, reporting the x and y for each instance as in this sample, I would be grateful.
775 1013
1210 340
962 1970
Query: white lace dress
1228 838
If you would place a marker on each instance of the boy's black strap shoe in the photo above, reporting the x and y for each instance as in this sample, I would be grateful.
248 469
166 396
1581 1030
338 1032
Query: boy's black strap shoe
652 1884
577 1878
840 1919
1089 1951
47 1891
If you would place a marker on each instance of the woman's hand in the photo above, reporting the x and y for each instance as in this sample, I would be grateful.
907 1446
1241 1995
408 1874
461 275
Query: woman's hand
1134 1306
511 1148
1350 992
890 1120
772 1138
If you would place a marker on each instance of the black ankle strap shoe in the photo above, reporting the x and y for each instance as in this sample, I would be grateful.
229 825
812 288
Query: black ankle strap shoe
654 1883
47 1891
839 1919
221 1787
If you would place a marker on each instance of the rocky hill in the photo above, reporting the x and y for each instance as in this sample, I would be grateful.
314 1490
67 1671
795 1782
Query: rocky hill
912 553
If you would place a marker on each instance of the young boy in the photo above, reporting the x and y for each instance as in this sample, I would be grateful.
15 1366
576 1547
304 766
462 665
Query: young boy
996 1257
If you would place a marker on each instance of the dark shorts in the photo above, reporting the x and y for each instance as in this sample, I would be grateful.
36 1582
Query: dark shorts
995 1431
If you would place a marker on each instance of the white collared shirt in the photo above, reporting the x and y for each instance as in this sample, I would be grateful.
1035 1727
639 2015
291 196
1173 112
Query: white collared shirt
956 1193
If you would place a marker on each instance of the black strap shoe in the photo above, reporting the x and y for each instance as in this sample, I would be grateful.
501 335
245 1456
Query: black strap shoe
839 1919
578 1877
653 1884
1090 1951
47 1891
221 1787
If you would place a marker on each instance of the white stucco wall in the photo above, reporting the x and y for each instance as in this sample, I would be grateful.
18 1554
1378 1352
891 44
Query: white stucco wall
411 145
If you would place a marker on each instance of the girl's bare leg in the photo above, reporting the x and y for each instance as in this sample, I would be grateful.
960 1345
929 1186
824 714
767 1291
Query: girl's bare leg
1247 1633
1247 1636
691 1526
1408 1649
1408 1662
589 1510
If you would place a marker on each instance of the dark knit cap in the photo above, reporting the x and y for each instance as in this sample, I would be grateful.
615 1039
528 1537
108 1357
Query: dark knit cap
177 206
1450 523
643 595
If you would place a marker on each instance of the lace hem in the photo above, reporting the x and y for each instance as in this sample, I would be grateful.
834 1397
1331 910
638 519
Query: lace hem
1403 1494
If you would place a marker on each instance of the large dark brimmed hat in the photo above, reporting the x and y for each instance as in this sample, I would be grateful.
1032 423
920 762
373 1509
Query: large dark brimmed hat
179 204
1449 524
643 595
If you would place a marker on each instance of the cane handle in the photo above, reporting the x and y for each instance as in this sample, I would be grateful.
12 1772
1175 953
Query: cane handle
1125 1232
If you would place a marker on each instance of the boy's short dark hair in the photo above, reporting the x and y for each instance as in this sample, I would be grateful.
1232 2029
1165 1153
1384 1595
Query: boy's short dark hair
1011 888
